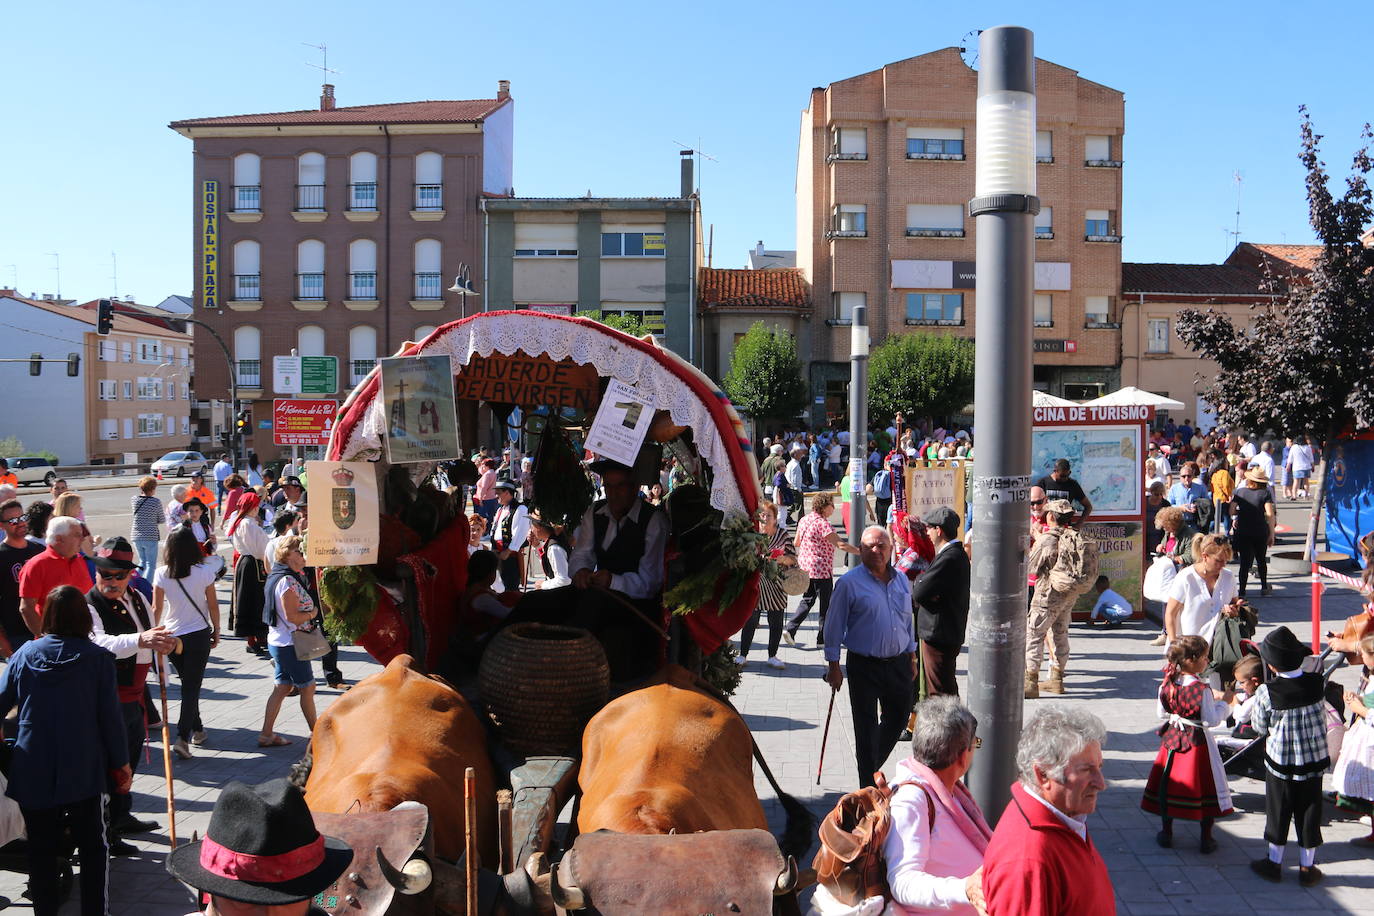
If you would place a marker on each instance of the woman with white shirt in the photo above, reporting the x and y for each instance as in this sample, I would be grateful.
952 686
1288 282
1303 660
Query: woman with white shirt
289 602
934 848
1202 592
553 553
184 602
249 538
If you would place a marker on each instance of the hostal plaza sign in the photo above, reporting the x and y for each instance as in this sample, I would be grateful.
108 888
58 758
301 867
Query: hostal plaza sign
209 244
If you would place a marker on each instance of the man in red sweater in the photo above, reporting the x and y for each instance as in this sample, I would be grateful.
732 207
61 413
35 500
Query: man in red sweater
1040 861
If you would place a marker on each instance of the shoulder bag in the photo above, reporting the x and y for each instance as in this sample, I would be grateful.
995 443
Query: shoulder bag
308 641
203 615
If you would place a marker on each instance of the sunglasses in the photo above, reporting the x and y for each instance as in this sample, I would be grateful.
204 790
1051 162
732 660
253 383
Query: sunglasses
1037 502
116 576
16 520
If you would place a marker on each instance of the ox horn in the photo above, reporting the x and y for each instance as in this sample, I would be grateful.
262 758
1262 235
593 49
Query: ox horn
787 878
568 896
413 878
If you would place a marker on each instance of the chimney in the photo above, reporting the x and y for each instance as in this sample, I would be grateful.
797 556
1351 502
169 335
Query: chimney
688 183
759 249
502 89
327 97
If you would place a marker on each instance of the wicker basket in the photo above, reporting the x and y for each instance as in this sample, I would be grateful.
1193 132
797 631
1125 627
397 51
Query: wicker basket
541 684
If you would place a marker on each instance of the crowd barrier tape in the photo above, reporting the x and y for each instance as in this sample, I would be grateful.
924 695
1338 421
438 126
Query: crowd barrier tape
1318 570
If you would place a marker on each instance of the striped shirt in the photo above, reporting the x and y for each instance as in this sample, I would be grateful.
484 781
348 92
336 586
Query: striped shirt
147 518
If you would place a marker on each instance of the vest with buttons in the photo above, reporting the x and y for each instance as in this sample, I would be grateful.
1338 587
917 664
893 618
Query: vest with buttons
116 620
626 551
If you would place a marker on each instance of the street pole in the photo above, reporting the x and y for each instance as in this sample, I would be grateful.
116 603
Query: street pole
1004 208
858 424
234 439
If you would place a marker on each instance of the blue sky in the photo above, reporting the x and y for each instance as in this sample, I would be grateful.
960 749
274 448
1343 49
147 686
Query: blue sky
606 91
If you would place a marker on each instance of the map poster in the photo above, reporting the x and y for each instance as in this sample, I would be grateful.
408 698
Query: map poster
621 423
417 397
1121 558
930 487
1107 463
344 513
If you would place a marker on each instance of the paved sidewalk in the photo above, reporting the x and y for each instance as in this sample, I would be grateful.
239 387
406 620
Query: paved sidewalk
1114 670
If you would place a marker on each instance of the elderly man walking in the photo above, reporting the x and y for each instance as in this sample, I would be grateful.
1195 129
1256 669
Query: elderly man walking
870 615
60 564
1041 861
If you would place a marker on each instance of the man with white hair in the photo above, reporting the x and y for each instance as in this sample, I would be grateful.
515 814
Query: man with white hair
770 467
173 508
60 564
1040 859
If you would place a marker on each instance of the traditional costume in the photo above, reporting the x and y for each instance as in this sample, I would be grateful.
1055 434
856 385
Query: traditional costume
1187 780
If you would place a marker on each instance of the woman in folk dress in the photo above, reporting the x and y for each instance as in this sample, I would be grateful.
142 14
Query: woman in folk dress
1354 776
1187 780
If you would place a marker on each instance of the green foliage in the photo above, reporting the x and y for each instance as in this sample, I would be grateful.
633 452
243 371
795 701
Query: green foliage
349 594
13 447
630 324
920 374
765 377
720 670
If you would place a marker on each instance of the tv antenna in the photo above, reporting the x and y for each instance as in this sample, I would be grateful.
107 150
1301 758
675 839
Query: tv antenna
323 65
1233 235
57 268
697 155
114 275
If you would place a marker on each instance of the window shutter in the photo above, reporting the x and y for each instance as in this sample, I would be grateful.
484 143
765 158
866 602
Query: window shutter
1044 144
558 236
935 216
935 133
1099 147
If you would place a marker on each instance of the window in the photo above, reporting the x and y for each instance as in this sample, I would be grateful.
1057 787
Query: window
428 280
935 308
310 340
546 240
429 181
126 350
650 313
149 388
149 424
128 428
362 269
632 242
310 269
247 356
1044 310
183 356
849 221
247 275
845 303
1044 223
935 220
106 350
1097 226
935 143
1157 339
170 389
362 351
362 181
1097 309
149 351
423 331
849 143
310 181
247 183
1098 153
128 391
109 390
186 426
109 428
1044 146
185 391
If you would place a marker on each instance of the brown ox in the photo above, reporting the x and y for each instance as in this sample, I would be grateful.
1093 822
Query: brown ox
398 736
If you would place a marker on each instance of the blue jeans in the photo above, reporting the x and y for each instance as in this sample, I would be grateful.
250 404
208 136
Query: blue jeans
816 473
147 556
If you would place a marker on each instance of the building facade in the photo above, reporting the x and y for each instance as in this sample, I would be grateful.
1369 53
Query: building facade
731 301
885 170
131 395
337 232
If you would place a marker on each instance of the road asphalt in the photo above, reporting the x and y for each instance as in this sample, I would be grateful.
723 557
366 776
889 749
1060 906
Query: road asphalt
1116 671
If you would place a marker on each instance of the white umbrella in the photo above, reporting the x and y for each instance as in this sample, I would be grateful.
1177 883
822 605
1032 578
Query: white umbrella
1045 399
1133 395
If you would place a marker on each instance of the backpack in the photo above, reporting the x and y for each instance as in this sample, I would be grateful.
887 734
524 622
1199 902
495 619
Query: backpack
1228 641
1075 567
850 861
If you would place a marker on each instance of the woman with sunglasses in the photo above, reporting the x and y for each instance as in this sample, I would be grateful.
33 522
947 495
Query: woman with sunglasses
1203 591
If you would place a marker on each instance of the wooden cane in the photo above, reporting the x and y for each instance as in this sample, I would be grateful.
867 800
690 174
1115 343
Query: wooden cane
161 664
657 628
470 838
825 735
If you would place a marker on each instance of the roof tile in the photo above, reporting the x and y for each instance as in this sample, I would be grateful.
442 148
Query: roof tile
1192 279
776 288
430 112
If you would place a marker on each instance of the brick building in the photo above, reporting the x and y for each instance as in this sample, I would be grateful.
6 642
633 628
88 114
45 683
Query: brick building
337 232
884 172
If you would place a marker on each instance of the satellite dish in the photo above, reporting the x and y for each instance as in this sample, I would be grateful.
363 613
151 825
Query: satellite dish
968 48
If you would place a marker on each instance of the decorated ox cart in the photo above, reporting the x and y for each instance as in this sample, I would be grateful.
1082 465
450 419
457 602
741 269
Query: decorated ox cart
529 711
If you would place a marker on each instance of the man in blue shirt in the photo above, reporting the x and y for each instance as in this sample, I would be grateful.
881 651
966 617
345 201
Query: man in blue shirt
1187 492
222 471
870 615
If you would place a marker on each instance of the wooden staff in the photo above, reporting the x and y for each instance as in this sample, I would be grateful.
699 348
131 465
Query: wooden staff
160 662
825 735
470 838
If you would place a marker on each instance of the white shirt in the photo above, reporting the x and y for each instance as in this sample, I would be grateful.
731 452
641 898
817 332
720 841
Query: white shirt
795 480
250 539
647 580
1302 457
1108 599
125 644
279 634
180 614
1247 451
519 528
1162 466
1265 461
558 560
1072 823
1201 609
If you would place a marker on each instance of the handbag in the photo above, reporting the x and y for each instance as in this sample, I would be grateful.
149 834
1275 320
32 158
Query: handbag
794 580
309 643
1158 578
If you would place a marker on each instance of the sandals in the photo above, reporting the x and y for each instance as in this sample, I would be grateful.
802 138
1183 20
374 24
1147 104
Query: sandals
274 741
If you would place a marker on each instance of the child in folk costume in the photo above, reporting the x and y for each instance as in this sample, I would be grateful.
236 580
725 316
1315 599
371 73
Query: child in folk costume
1187 780
1291 711
1354 778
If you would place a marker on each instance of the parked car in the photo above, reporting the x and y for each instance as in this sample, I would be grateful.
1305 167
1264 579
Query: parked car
33 469
179 464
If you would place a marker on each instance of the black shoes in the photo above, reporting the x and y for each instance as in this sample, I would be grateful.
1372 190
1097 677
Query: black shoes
1265 592
1267 869
1308 875
121 849
132 824
1207 846
905 735
1165 839
336 682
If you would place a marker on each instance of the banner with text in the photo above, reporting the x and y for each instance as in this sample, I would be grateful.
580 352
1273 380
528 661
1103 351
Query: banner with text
417 395
344 513
302 421
621 423
929 487
1121 558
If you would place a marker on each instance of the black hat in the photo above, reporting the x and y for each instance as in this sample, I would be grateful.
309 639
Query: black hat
602 465
944 518
1282 650
261 847
114 553
505 483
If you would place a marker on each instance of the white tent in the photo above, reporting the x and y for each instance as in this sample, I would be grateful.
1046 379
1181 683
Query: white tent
1045 399
1133 395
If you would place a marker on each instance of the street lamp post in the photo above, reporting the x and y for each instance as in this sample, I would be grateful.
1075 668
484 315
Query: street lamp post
234 439
1004 207
858 424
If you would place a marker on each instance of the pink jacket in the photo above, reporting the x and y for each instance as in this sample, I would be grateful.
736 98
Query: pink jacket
926 866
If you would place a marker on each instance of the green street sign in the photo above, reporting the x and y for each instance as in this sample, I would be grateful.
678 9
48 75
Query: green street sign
319 374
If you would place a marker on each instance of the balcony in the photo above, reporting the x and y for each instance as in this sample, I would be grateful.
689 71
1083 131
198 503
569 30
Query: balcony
1102 163
249 373
309 292
937 322
1102 237
359 368
248 287
1044 160
362 291
1041 232
362 202
1101 323
934 233
247 204
846 157
429 286
428 202
1044 323
309 203
846 233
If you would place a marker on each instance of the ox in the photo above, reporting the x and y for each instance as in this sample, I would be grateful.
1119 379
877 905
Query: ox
670 758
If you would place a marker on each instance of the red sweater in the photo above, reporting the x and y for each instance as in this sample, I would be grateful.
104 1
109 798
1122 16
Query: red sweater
1036 866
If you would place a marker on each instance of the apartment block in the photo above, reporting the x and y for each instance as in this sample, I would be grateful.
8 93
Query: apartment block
337 232
885 170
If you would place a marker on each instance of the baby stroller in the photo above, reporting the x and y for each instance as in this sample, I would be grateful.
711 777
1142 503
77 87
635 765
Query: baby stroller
14 855
1242 752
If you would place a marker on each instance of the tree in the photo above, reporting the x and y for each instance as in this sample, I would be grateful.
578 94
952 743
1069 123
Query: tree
629 324
765 377
920 374
1305 363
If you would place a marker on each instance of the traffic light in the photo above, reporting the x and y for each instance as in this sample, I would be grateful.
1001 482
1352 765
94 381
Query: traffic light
243 421
73 365
35 364
104 318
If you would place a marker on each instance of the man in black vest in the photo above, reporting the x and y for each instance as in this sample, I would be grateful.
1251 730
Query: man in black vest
619 549
122 623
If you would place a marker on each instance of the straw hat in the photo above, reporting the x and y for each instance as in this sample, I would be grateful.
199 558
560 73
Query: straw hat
1257 475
